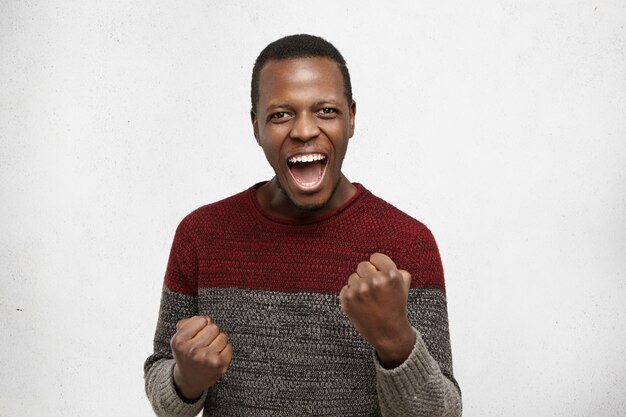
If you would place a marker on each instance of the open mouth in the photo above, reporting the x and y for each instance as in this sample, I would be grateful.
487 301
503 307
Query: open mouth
307 170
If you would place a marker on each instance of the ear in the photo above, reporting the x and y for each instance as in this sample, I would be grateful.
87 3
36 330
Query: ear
255 126
352 117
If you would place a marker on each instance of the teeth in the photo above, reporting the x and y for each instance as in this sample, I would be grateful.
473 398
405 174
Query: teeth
307 158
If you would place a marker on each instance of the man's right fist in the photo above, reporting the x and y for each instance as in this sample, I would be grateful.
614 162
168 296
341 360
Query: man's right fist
202 354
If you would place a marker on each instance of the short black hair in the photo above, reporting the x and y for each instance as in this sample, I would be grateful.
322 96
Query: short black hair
298 46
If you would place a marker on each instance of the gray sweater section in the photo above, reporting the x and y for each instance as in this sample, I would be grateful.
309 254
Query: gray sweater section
296 354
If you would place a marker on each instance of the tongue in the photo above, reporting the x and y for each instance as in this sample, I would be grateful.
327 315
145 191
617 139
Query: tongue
306 172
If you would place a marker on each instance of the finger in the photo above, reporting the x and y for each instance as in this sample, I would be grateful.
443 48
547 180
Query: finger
185 322
406 277
218 344
365 269
182 322
225 357
227 352
352 279
206 335
191 327
382 262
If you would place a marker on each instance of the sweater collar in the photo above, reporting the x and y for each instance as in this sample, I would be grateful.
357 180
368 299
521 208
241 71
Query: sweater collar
341 211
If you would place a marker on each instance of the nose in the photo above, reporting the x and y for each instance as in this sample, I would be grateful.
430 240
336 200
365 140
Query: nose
305 127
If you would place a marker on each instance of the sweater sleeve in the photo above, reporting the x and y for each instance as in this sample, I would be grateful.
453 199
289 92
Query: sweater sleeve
178 301
424 384
417 387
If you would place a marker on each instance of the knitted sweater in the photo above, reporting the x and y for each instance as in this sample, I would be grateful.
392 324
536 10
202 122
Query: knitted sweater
272 286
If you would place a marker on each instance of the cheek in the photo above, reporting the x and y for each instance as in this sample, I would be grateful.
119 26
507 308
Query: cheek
273 138
271 150
269 153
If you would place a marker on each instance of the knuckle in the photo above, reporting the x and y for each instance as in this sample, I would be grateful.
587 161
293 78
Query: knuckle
175 342
392 277
363 290
194 346
378 282
394 274
191 351
215 361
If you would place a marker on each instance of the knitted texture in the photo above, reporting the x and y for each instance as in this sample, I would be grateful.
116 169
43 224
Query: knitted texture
272 287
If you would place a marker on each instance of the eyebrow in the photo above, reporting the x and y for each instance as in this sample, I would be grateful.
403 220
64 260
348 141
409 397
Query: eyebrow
278 105
323 102
289 106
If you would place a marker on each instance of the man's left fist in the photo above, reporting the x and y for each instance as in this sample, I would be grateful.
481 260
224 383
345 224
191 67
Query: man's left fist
375 301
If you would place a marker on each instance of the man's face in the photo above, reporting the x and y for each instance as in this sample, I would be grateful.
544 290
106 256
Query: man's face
303 122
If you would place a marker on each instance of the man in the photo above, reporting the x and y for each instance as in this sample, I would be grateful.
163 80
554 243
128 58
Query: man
304 295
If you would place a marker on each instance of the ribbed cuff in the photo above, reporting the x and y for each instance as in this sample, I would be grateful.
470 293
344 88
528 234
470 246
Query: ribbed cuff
166 401
415 371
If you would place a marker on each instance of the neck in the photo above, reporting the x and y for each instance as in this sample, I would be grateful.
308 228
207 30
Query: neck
273 199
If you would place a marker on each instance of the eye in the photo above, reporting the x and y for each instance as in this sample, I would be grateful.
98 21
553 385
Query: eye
279 117
327 112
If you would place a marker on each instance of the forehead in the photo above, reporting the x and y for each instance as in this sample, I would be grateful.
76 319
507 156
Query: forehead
299 76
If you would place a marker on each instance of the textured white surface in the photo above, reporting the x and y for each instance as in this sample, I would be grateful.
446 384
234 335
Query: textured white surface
499 124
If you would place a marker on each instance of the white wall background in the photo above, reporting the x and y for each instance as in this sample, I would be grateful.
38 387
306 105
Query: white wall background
500 124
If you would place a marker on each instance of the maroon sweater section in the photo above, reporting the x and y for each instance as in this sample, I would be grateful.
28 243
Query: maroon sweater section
234 243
